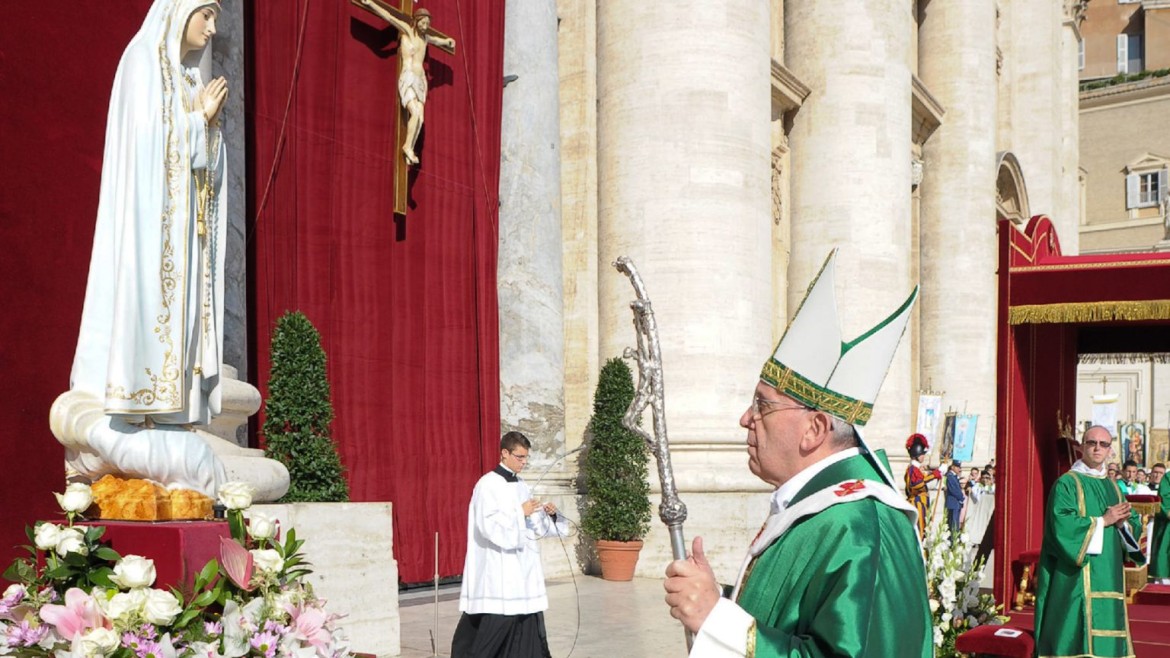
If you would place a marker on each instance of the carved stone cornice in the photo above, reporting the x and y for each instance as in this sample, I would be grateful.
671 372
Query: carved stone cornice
788 92
927 113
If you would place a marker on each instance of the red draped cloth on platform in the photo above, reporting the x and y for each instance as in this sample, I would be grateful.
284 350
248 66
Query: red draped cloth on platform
406 307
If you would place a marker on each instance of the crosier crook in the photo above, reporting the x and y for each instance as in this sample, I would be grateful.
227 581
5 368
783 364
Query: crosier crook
650 393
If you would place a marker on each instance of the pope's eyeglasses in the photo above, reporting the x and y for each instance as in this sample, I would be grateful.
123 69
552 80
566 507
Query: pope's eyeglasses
772 406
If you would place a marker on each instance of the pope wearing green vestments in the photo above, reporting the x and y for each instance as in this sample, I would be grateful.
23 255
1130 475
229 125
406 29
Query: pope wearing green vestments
1080 591
837 569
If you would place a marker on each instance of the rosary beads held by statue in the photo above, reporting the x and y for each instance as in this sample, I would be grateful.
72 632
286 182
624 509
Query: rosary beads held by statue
414 35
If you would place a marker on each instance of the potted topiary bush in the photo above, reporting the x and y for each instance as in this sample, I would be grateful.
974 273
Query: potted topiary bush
298 413
617 496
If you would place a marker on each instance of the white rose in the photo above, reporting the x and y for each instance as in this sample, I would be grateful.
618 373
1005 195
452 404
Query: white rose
120 606
77 498
236 495
133 571
267 560
160 608
71 540
47 535
261 526
99 642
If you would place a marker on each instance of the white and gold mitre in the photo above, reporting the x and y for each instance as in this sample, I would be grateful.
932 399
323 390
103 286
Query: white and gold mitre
814 366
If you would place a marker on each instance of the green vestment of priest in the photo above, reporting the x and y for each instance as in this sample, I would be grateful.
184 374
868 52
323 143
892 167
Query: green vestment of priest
838 572
1160 541
1080 591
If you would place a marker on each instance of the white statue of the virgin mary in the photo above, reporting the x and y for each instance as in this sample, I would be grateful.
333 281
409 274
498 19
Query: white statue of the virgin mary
148 362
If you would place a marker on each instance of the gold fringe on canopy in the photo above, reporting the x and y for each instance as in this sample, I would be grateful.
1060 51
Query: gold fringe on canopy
1153 309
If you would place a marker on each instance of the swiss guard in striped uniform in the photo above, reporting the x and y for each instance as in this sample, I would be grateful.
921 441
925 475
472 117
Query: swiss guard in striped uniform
917 477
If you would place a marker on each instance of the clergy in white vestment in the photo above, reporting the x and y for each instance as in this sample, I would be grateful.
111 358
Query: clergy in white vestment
503 596
148 356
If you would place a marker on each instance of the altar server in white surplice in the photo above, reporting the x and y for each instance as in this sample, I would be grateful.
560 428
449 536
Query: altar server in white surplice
148 356
503 596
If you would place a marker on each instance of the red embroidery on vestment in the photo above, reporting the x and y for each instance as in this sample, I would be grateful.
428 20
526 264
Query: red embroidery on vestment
849 487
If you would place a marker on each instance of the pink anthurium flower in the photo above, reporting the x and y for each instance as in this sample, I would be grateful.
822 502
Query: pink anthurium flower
237 563
79 614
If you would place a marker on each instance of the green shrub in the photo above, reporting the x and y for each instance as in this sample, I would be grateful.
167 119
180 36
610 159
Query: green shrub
298 413
617 503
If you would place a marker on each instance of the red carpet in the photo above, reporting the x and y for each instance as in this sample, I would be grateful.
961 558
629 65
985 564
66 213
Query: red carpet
1148 624
1154 595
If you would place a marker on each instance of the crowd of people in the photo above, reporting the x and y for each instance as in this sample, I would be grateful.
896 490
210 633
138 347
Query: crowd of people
1135 480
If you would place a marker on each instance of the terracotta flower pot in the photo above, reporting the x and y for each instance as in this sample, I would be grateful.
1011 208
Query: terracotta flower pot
618 558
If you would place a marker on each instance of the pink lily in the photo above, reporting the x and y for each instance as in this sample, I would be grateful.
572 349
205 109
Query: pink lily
79 614
237 563
309 626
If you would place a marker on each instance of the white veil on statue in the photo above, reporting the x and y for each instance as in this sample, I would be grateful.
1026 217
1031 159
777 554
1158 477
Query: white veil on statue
151 334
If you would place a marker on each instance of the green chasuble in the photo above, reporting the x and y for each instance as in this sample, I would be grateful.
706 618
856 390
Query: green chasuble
1080 598
1160 540
847 580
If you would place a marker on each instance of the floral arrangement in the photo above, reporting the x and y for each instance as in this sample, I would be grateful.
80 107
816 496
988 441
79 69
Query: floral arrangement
953 578
75 597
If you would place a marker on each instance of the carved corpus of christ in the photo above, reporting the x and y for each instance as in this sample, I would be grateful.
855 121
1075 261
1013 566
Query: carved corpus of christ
415 34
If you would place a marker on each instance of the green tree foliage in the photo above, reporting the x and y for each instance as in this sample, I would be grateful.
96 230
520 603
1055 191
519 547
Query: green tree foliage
617 504
298 413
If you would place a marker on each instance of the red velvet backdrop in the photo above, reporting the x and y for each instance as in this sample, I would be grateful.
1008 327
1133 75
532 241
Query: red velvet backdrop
57 63
406 307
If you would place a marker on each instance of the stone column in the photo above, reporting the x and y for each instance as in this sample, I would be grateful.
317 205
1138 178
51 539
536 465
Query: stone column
228 61
684 189
1067 206
577 60
1037 116
959 246
529 270
851 180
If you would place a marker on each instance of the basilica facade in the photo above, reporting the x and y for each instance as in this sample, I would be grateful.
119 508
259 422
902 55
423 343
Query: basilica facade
726 148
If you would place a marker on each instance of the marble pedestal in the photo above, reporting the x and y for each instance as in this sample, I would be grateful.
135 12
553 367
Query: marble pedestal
351 549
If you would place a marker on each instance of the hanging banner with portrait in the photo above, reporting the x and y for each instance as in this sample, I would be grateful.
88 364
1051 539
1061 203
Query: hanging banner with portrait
946 448
1133 442
965 437
1105 412
929 413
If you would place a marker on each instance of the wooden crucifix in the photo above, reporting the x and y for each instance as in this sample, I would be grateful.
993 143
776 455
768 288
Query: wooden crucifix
414 34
